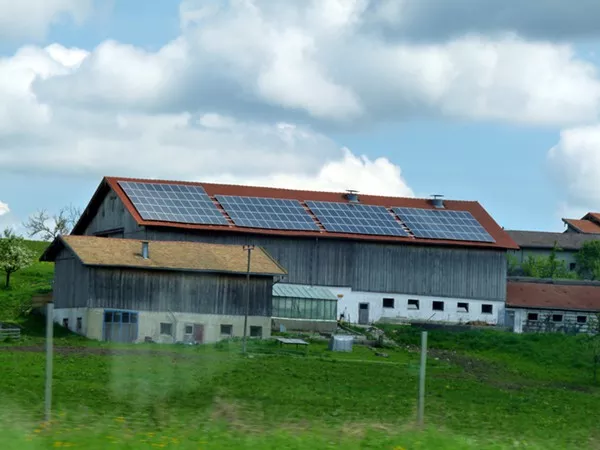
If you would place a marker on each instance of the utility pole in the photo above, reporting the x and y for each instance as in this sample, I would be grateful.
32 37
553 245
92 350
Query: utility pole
421 406
247 248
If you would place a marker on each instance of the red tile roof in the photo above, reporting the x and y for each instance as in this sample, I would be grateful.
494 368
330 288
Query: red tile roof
594 217
583 225
553 296
503 240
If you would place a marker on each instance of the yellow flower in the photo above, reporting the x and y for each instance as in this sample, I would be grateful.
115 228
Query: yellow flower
120 419
37 430
57 444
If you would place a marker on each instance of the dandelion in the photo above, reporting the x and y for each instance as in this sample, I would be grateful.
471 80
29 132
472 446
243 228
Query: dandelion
120 419
37 430
57 444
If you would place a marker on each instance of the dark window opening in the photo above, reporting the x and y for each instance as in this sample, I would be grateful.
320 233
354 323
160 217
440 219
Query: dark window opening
413 303
125 317
255 331
487 309
79 324
581 319
189 329
363 306
462 307
108 317
166 328
557 317
388 302
66 322
532 316
133 318
438 305
572 266
227 330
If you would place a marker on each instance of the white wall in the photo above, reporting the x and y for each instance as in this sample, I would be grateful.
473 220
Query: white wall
349 301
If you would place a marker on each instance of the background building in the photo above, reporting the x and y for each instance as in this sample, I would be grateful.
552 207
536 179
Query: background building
588 224
129 290
382 257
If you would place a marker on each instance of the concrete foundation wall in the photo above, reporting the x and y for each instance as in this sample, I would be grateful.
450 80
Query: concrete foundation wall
544 323
319 326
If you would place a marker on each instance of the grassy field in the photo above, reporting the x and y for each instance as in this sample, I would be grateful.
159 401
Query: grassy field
485 390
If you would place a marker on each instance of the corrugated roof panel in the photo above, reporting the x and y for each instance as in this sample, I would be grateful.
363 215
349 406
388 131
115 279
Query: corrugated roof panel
300 291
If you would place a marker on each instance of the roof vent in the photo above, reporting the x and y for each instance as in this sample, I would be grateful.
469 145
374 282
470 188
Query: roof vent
351 196
145 250
437 201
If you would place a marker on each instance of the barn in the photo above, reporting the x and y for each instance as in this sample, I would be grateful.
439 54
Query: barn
127 290
383 258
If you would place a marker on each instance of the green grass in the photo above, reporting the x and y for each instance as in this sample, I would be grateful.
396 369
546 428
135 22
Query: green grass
24 284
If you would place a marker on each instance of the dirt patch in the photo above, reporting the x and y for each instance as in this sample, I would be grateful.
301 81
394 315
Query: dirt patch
72 350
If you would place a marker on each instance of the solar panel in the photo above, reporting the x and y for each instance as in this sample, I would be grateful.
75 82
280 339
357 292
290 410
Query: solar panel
443 224
173 203
356 218
272 213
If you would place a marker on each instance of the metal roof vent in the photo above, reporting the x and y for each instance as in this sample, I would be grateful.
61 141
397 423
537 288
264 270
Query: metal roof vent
351 196
145 250
437 201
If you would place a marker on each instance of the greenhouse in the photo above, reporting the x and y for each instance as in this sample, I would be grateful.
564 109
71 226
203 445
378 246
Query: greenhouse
296 307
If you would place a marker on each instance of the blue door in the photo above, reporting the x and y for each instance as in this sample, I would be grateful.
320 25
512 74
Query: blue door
120 326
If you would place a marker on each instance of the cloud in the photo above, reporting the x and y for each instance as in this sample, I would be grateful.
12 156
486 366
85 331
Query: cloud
25 19
575 164
4 209
317 63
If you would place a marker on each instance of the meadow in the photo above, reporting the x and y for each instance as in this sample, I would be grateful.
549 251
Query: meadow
485 390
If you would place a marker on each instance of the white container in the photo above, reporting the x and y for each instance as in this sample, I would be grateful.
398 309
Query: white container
341 343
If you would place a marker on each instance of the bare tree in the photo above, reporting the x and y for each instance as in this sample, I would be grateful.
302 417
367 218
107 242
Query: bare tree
47 227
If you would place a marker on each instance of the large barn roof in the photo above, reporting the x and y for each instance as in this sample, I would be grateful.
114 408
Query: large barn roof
501 238
165 255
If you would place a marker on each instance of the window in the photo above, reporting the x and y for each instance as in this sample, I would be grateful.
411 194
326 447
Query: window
462 307
108 317
189 329
532 316
572 266
388 302
166 328
413 303
227 330
125 317
438 305
487 309
66 322
255 331
557 317
581 319
79 324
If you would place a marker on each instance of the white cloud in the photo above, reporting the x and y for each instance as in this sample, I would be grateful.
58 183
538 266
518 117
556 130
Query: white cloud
4 209
32 18
316 61
575 162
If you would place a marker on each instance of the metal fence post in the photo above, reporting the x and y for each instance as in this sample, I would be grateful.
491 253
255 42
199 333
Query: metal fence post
421 406
49 348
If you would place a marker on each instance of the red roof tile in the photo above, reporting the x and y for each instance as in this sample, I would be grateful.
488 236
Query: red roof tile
594 217
583 226
503 240
553 296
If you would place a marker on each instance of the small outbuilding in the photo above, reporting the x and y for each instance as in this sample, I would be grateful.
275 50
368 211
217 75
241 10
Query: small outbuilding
128 290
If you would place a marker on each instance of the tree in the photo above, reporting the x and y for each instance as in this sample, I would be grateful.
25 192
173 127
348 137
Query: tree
47 228
547 266
588 260
14 255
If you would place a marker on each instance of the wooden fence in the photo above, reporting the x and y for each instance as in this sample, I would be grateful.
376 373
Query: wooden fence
10 333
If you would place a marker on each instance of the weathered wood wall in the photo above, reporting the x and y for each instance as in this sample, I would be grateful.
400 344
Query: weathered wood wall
71 281
112 216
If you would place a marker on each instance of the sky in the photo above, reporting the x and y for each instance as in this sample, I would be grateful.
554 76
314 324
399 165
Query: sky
495 101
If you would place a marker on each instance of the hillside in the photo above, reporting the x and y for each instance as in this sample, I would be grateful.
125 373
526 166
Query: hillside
24 284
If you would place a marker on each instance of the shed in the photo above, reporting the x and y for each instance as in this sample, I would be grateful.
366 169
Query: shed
167 291
304 308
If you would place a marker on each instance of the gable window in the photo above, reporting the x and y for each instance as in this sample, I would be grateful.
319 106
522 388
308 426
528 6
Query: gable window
462 307
166 328
413 303
532 316
487 309
438 305
388 302
227 330
557 317
581 319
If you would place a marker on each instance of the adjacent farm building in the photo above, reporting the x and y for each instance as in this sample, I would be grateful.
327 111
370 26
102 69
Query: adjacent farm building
567 306
363 258
129 290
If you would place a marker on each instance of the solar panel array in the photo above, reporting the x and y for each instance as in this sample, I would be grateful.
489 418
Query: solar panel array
443 224
356 218
173 203
272 213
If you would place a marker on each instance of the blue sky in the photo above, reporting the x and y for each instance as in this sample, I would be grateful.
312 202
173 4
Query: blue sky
304 95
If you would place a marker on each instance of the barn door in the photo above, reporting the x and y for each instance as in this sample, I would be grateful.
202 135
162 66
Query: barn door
363 313
198 333
120 326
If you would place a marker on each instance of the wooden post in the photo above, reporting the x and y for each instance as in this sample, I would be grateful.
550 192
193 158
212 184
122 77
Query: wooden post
421 406
249 249
49 348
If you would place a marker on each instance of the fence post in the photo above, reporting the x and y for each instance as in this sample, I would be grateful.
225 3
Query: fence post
49 348
421 406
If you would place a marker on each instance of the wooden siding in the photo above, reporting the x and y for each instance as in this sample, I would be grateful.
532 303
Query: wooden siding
71 281
145 290
373 267
112 215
